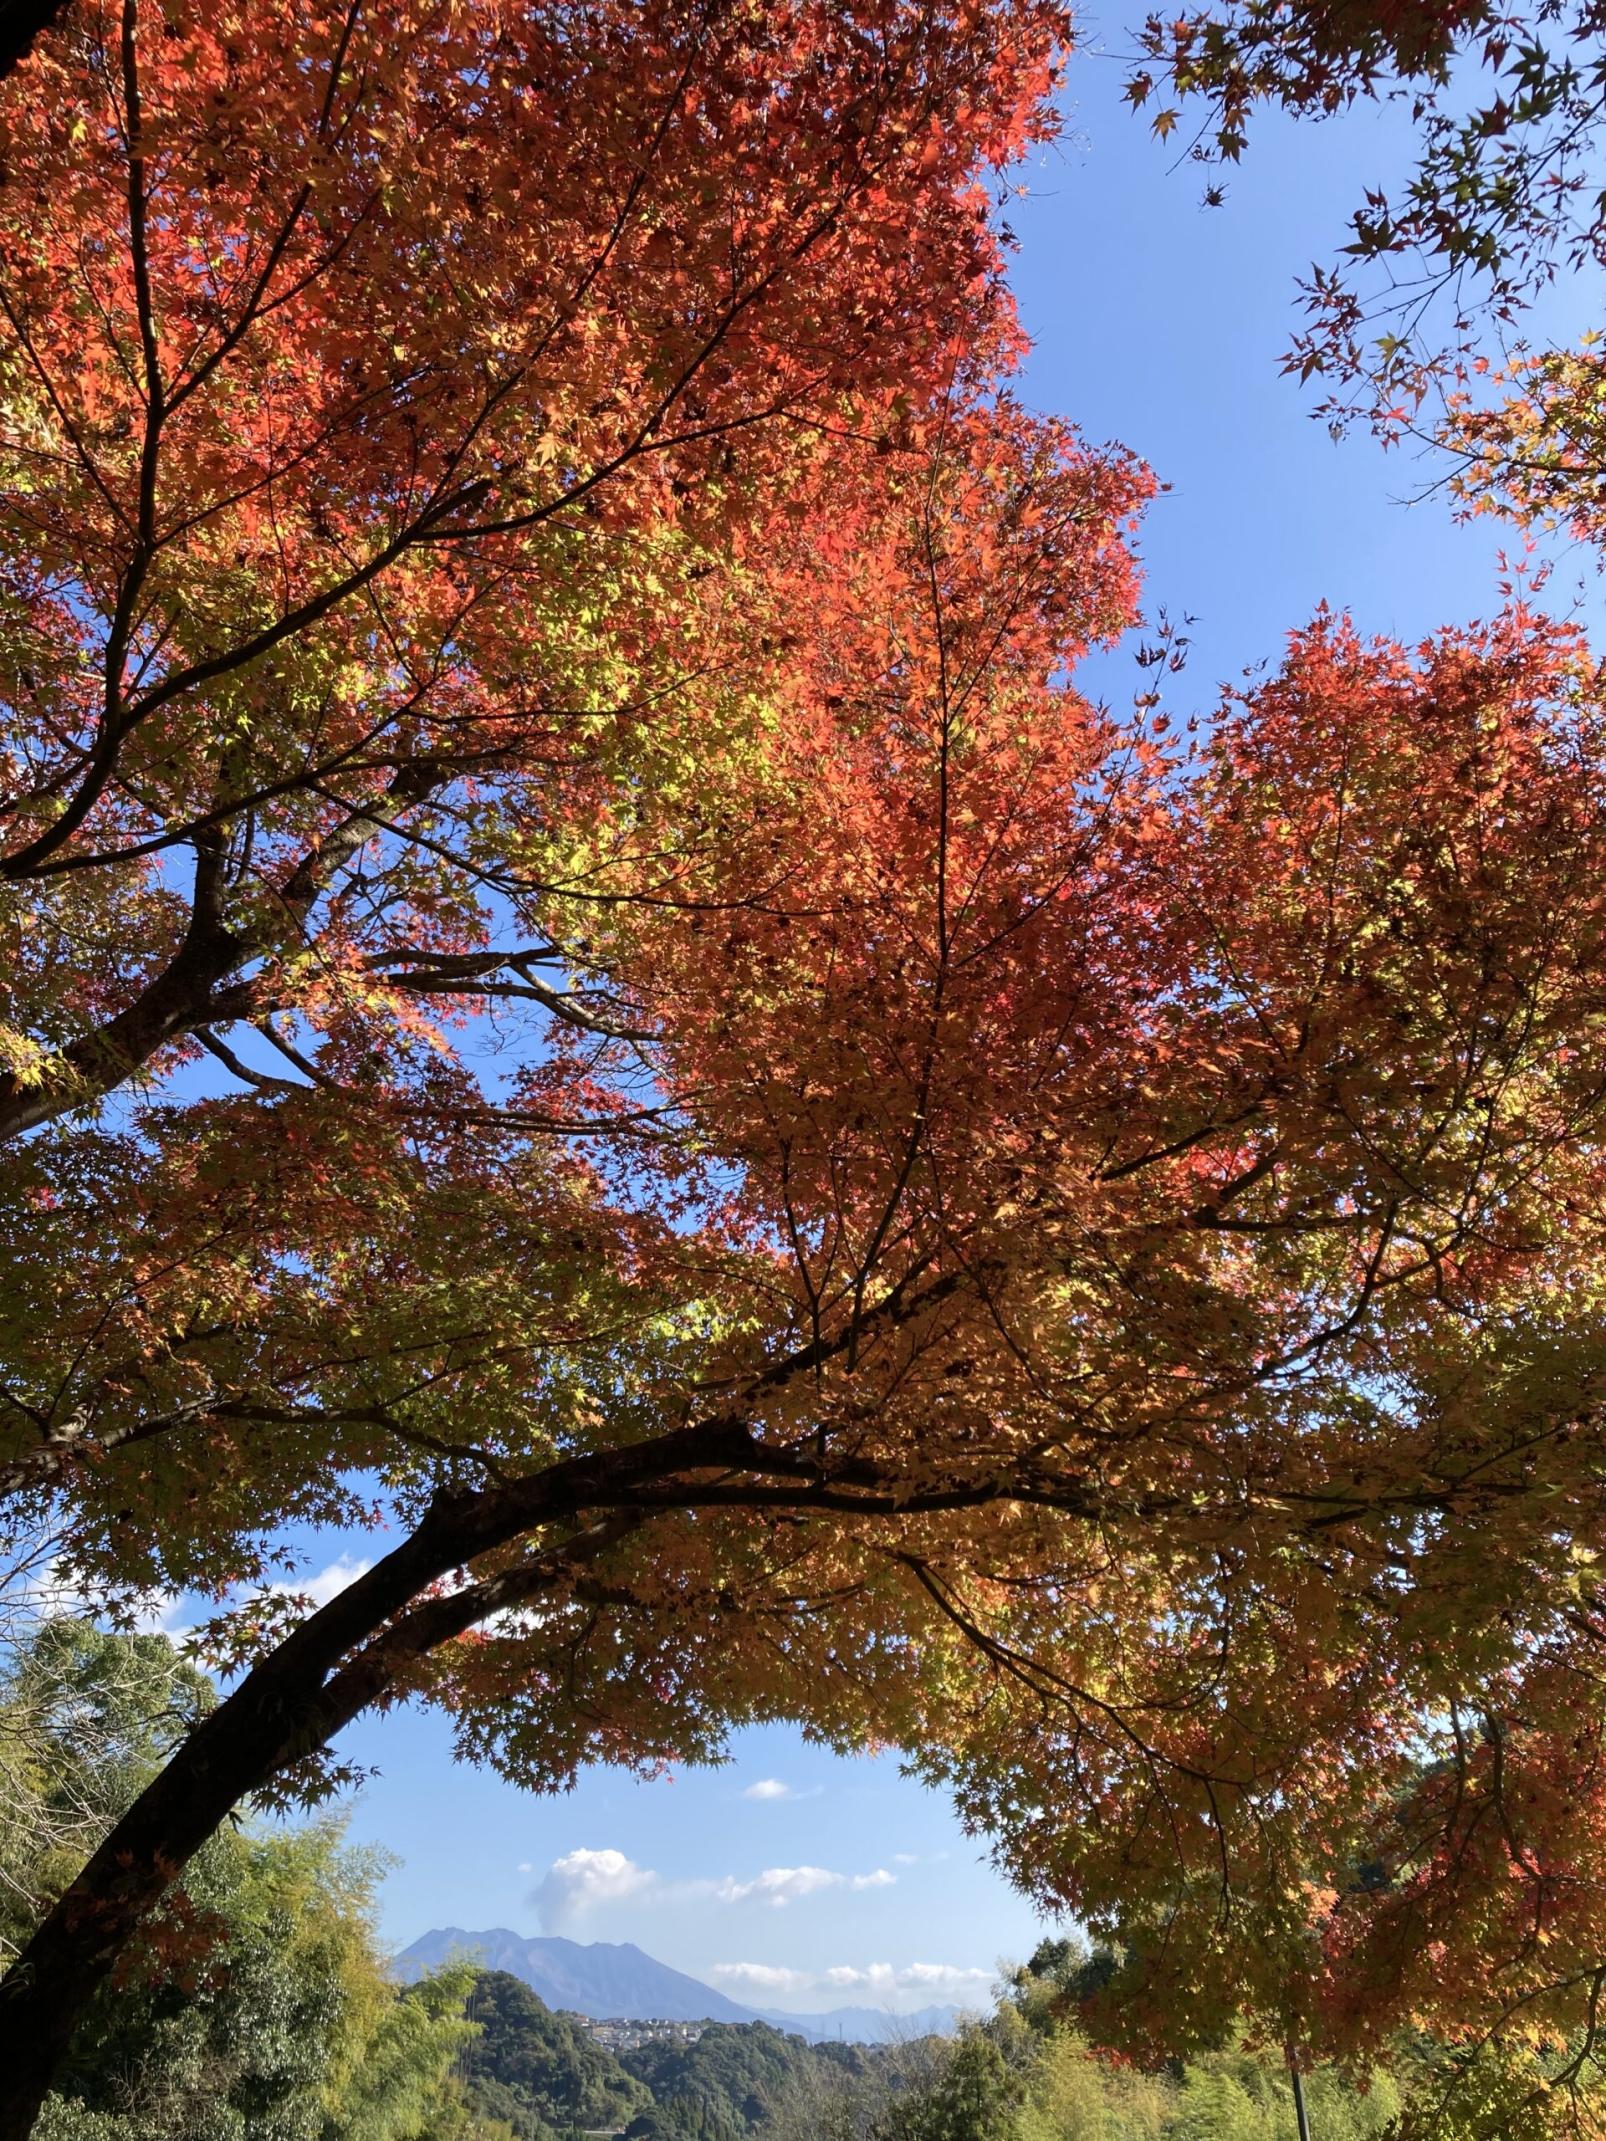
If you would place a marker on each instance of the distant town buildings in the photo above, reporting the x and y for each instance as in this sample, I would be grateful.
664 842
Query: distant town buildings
619 2035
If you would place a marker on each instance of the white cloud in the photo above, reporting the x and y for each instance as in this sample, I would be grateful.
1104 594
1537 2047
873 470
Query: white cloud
764 1977
877 1981
905 1858
581 1880
769 1788
919 1975
164 1612
328 1583
883 1978
160 1613
780 1885
55 1596
585 1880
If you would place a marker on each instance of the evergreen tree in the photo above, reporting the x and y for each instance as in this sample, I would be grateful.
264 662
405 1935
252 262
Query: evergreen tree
975 2098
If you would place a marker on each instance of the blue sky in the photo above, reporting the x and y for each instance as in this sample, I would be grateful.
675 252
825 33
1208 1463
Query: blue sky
793 1878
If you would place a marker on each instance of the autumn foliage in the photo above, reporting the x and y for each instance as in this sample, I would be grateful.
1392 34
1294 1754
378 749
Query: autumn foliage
1378 1432
585 984
372 424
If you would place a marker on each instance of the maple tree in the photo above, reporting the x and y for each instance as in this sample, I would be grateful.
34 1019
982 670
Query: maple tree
412 500
584 983
1268 1365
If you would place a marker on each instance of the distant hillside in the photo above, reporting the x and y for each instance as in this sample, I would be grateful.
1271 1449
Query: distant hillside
539 2073
601 1978
540 2078
729 2083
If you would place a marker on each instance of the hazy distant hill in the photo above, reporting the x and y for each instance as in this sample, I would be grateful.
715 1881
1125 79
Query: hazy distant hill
864 2025
601 1978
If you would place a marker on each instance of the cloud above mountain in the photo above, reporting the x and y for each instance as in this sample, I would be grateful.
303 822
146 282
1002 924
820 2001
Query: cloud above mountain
583 1881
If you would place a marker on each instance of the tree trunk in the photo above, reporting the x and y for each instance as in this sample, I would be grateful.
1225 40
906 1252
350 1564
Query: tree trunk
282 1709
320 1677
353 1650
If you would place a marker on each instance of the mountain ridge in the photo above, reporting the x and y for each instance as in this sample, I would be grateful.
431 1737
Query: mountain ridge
605 1979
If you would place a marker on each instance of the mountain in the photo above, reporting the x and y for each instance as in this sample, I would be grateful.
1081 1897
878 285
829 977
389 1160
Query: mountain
602 1979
